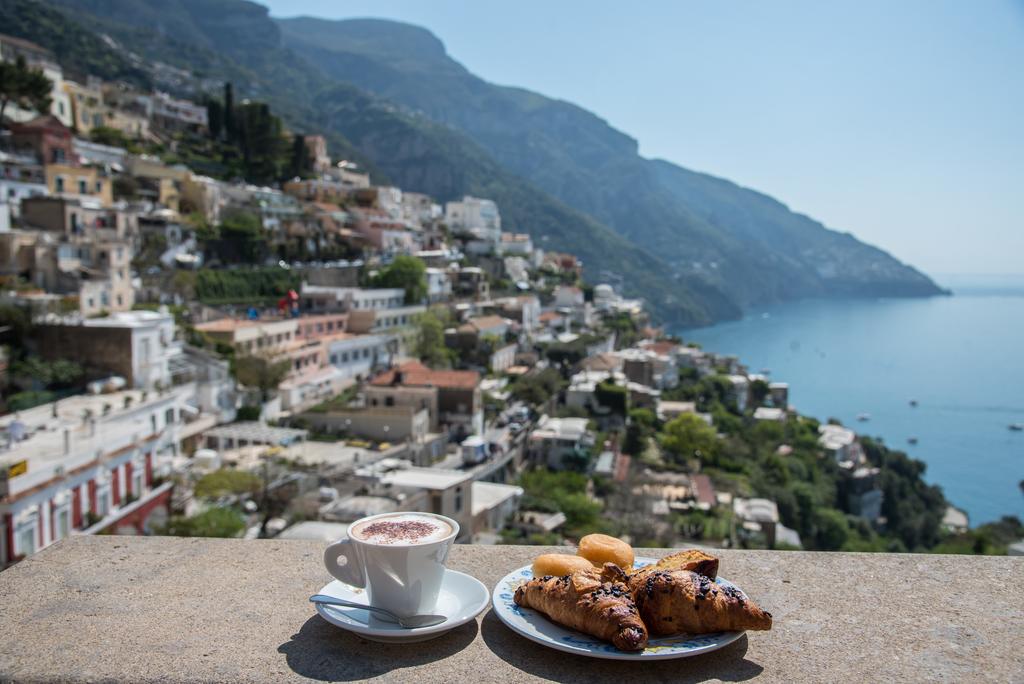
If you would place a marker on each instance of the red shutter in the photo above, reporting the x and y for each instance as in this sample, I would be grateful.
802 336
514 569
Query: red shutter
115 485
76 507
53 521
149 470
128 479
92 496
9 521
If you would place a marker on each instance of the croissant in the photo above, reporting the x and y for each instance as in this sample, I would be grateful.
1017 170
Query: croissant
677 601
587 602
694 560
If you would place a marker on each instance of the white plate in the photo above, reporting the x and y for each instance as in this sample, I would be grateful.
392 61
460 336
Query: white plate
536 627
462 598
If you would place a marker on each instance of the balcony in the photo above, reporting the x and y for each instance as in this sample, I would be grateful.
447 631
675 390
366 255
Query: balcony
148 608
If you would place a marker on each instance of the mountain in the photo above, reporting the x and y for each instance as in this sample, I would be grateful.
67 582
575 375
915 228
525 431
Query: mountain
222 40
387 95
748 245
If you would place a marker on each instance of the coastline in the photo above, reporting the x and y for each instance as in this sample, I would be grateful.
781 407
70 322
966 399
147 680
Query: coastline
903 349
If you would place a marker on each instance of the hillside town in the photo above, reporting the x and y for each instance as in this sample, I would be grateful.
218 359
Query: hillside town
189 352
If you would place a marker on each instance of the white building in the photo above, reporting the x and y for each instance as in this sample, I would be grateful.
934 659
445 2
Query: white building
515 244
325 299
770 413
88 463
21 177
554 439
152 344
449 492
357 356
494 505
740 390
439 285
841 444
38 58
478 217
568 296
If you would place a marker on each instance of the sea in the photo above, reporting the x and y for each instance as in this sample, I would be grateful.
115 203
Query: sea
961 358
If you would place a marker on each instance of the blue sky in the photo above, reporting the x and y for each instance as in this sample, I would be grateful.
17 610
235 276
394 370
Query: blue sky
900 122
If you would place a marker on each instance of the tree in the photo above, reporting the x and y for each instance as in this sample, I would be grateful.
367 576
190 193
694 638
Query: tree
537 388
688 435
215 117
24 87
226 481
260 138
214 522
229 113
429 343
300 157
639 430
832 529
260 373
408 273
759 389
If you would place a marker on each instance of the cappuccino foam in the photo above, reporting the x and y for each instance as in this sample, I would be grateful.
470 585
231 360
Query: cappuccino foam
401 529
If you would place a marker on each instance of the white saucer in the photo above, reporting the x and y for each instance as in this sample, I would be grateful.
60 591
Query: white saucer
462 598
536 627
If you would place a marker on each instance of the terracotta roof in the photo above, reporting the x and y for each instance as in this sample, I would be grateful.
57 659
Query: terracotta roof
415 374
549 316
232 324
484 322
329 207
602 362
663 347
703 489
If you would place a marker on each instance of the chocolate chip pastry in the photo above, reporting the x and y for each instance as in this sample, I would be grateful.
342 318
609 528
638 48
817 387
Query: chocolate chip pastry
682 601
590 603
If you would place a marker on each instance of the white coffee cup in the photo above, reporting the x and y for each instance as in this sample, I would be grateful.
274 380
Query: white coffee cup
401 576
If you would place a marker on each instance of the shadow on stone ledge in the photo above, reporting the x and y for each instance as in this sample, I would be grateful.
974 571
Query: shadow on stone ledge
325 652
727 664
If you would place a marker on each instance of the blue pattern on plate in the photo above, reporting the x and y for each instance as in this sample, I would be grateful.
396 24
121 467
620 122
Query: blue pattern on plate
537 627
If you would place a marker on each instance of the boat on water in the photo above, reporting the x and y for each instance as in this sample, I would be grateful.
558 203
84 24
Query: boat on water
911 440
913 402
1017 427
863 417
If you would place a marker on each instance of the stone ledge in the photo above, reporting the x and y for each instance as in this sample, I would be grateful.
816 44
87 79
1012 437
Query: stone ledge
151 608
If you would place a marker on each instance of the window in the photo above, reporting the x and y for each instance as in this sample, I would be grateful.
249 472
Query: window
63 526
99 187
83 187
458 499
137 475
389 401
59 183
27 540
344 357
366 353
169 416
334 359
120 300
103 501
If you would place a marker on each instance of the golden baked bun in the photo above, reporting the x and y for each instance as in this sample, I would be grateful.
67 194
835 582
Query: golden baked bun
558 564
600 549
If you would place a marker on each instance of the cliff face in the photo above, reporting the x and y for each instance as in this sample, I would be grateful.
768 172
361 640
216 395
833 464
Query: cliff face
386 94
